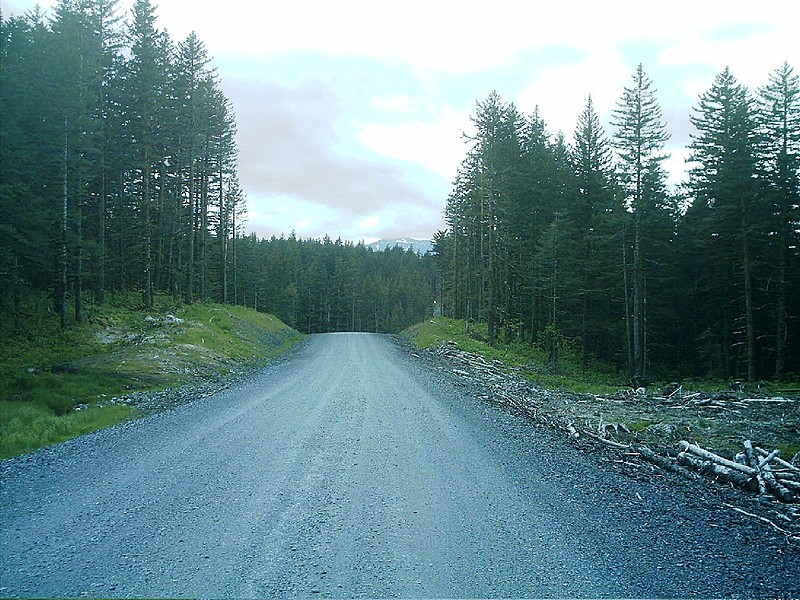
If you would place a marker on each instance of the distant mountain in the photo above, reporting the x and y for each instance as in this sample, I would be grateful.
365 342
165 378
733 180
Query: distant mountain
418 246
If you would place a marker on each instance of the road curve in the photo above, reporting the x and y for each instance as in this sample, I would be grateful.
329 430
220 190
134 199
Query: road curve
354 470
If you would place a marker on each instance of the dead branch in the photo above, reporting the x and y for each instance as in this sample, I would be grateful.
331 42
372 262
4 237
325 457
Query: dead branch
607 442
764 519
780 461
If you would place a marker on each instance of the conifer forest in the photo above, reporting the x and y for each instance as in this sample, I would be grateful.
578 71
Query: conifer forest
580 241
118 173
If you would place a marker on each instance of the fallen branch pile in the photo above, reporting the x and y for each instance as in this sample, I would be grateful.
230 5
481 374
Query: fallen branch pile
754 469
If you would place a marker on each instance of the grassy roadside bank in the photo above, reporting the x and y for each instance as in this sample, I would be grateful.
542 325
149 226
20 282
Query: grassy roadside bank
56 385
718 415
530 360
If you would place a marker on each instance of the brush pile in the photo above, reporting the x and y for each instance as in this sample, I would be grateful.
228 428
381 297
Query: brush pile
605 420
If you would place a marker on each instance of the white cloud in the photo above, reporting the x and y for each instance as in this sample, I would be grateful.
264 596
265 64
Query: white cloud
277 214
437 146
561 92
370 223
750 58
401 103
676 165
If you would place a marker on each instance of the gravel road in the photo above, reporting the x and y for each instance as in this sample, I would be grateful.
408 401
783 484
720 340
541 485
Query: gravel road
357 470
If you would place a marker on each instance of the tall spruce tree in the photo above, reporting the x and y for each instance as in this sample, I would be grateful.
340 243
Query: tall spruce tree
591 158
724 187
639 140
779 119
146 81
31 161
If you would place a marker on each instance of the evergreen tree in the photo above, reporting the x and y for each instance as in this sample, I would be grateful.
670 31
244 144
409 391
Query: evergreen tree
779 119
146 82
591 157
31 160
723 183
639 139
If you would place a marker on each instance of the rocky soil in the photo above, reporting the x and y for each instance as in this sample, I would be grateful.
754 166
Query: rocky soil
640 432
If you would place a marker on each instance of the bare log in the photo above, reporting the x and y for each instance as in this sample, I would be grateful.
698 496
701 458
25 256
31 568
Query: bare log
774 486
714 469
768 459
780 461
786 475
752 459
790 484
710 456
766 477
607 442
665 463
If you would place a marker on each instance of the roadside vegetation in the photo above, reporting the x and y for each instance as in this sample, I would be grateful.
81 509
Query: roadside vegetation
559 369
56 384
716 413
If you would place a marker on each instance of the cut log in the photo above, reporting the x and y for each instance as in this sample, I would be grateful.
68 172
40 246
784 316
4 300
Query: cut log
750 452
780 461
768 459
774 486
714 469
790 484
786 475
665 463
710 456
766 477
752 459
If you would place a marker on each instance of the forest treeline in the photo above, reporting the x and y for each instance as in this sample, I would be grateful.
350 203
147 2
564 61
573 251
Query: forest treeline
581 242
118 172
320 286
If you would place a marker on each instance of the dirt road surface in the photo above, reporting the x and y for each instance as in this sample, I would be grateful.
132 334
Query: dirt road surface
355 470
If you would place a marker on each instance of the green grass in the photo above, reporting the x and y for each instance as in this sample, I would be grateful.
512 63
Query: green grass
235 332
119 348
529 359
648 422
25 427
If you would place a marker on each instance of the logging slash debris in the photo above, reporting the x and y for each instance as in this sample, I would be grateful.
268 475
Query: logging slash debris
656 443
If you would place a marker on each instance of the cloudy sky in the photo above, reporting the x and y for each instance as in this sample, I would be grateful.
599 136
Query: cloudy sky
351 113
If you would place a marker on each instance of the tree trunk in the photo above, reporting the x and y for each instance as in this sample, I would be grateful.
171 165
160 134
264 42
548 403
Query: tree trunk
628 327
17 297
100 289
233 258
62 291
78 259
191 233
148 237
748 303
638 346
223 229
160 233
781 317
204 225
